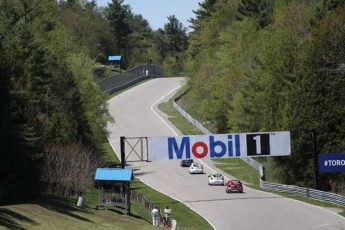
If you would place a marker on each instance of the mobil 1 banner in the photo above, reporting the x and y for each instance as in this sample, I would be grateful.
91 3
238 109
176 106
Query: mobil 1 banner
219 146
334 162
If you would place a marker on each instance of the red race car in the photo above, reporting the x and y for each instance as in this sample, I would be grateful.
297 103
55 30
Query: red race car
234 185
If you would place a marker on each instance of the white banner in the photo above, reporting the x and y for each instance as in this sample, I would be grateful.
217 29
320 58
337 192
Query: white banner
219 146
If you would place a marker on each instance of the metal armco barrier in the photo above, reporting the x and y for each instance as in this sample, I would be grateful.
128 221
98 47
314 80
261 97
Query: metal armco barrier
130 77
301 191
306 192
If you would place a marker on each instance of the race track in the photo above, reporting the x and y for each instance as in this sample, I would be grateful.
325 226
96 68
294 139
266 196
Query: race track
136 115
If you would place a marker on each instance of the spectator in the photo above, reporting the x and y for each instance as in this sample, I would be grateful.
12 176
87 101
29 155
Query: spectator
155 216
167 212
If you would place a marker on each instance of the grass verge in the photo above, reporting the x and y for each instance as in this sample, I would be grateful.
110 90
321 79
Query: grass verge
56 213
176 118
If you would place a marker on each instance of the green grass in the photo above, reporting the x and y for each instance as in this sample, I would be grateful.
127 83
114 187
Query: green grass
239 169
175 117
109 155
56 213
186 218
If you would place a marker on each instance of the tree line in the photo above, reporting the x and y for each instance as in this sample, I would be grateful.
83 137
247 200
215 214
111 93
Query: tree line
53 115
264 65
272 65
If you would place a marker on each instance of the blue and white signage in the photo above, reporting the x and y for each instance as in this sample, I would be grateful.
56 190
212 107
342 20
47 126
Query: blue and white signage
219 146
332 162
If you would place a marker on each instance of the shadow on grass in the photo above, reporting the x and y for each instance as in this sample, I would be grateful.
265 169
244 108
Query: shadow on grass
163 204
134 188
122 211
113 165
7 219
63 206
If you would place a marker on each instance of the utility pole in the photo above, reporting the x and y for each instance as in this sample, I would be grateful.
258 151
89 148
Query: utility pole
316 160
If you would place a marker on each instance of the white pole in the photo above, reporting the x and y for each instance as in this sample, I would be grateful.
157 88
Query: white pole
173 225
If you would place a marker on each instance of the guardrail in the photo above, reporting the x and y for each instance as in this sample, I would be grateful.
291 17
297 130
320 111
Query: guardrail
130 77
305 192
301 191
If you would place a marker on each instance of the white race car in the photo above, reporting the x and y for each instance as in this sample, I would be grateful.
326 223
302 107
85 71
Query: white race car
216 179
196 168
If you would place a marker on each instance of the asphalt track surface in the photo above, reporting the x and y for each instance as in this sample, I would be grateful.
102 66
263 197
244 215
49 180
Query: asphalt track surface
136 115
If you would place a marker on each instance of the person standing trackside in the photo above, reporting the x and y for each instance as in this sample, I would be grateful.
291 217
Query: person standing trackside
155 216
167 212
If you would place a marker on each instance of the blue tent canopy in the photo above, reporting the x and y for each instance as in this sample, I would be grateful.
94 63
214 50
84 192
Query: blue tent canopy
114 58
119 193
113 174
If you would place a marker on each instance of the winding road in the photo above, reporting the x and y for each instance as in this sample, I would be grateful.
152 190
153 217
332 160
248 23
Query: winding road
136 115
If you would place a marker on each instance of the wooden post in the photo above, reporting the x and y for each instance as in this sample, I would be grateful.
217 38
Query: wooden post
126 203
99 195
129 197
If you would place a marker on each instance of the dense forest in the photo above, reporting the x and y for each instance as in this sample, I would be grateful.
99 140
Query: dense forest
253 65
53 115
265 65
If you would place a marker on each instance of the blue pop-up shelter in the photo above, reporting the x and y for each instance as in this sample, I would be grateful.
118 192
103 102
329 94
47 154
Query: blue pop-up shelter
114 187
115 60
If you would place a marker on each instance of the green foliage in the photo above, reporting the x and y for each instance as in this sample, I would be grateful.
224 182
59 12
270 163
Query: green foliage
317 98
173 42
18 104
117 15
42 101
175 35
48 92
91 98
206 8
140 46
327 6
277 68
260 10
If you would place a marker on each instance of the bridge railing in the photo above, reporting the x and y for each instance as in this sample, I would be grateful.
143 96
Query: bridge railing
301 191
130 77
